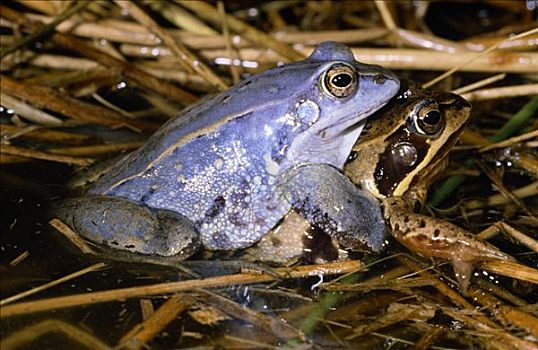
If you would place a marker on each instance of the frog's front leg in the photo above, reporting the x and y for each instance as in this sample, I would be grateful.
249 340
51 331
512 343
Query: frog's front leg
434 238
134 228
329 200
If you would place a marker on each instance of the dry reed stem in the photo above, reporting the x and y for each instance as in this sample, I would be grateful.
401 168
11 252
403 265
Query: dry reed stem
133 33
366 305
418 40
509 142
492 337
86 69
510 269
47 7
70 107
66 77
386 15
46 29
28 112
500 292
174 287
273 325
401 285
35 154
130 72
428 60
181 18
429 338
395 313
501 187
10 132
141 334
453 296
479 84
97 150
499 199
51 284
210 13
146 308
474 58
519 236
385 277
194 82
72 236
502 92
471 137
18 260
63 62
226 34
527 43
6 159
27 335
412 59
188 60
160 104
505 314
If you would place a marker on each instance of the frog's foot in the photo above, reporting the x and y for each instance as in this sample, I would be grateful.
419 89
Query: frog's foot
329 200
130 227
434 238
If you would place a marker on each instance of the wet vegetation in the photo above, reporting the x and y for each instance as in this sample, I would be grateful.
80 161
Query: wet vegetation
85 81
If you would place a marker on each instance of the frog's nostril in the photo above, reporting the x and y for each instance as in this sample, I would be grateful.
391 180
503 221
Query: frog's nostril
379 79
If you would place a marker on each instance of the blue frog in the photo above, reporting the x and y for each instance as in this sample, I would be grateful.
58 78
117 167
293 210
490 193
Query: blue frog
227 169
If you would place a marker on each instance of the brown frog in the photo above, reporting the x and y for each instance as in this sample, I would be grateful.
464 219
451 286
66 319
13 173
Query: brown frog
402 149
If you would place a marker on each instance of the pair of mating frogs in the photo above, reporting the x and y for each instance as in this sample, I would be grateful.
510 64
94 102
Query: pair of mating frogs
227 170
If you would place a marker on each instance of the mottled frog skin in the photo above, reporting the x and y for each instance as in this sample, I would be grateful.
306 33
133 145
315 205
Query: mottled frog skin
403 148
227 169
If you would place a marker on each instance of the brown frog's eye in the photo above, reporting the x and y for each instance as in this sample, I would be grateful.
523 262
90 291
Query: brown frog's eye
339 80
427 118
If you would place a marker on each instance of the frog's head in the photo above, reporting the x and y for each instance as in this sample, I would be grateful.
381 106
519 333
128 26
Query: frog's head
403 143
339 94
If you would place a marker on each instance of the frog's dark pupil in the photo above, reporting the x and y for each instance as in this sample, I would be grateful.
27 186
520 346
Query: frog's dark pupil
432 118
341 80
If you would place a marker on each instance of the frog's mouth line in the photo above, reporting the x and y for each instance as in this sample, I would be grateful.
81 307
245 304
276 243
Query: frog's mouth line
347 125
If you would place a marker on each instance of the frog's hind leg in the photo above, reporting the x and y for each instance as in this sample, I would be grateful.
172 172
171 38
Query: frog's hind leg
130 227
329 200
434 238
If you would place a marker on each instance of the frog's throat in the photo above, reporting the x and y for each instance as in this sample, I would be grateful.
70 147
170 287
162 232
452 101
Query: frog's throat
329 144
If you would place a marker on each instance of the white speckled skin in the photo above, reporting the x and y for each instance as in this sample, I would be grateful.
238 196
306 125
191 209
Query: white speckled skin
220 163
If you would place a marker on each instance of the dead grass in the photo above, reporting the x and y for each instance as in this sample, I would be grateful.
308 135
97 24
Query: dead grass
67 66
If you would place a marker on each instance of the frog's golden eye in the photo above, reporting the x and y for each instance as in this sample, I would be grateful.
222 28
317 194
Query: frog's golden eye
339 80
428 119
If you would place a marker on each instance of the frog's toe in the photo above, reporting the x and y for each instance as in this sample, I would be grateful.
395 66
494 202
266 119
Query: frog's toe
129 226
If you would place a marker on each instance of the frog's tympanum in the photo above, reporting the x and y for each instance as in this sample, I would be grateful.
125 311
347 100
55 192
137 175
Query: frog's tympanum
402 149
228 169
